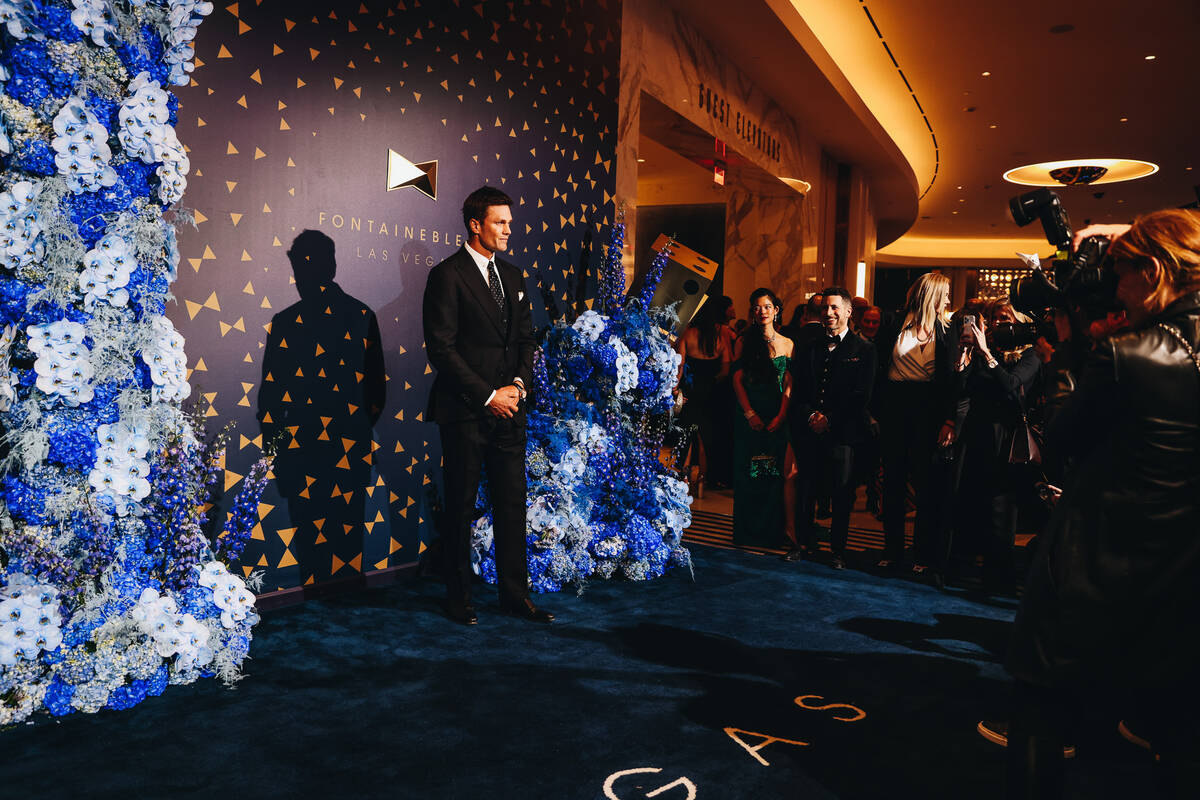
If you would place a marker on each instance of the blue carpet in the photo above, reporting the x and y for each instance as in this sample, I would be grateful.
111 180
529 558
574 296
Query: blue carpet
377 695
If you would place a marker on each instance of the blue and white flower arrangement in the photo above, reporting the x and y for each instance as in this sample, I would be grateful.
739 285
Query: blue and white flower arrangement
599 501
110 585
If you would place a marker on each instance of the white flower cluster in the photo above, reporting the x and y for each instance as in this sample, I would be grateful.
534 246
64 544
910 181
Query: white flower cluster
664 362
62 364
675 511
106 271
588 437
590 325
96 19
81 148
570 467
5 144
229 593
173 634
8 389
29 619
552 520
184 17
16 16
21 240
167 362
121 466
146 133
627 366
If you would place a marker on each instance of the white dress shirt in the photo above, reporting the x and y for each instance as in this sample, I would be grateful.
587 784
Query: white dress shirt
482 263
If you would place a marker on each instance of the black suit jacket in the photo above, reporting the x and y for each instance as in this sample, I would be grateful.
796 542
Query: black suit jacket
465 342
843 397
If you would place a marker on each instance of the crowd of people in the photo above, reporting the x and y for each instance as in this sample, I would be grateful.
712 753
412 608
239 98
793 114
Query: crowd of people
914 405
948 410
922 406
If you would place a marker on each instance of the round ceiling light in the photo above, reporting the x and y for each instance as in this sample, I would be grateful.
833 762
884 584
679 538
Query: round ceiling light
1081 171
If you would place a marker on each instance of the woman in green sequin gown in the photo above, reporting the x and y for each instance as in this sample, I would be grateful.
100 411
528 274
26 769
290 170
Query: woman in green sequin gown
763 463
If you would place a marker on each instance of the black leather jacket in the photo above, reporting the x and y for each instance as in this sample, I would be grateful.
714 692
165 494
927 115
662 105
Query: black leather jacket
1113 595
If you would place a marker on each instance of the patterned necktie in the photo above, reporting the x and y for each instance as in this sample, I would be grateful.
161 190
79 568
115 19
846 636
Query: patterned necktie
494 284
497 294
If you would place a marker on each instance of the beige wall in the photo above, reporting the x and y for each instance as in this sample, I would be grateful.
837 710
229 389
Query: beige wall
774 237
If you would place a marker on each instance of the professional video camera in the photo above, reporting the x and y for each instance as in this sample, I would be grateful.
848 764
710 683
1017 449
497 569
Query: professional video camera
1014 335
1079 282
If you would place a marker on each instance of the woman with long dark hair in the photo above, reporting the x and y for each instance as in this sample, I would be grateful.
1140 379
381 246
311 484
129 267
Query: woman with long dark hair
763 460
706 359
917 414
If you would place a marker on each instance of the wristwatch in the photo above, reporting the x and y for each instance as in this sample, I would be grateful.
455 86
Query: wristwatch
520 384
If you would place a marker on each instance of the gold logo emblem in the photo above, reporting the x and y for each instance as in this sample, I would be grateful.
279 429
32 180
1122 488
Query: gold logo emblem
401 172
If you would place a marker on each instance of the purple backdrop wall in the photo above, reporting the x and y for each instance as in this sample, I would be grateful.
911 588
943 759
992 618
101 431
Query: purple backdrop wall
288 122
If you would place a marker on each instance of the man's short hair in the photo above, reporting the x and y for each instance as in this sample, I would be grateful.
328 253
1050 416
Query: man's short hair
838 291
814 303
479 201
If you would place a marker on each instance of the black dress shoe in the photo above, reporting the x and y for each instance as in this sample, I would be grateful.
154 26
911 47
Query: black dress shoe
462 614
525 609
796 553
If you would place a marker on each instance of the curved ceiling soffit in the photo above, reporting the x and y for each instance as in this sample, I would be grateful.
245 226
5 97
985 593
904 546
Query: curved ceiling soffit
858 49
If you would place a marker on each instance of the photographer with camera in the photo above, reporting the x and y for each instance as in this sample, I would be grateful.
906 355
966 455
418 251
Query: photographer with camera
1111 603
995 440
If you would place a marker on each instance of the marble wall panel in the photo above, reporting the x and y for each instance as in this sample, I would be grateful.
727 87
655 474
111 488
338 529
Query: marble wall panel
774 236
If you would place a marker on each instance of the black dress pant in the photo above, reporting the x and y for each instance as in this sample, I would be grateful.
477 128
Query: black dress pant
497 446
911 417
824 465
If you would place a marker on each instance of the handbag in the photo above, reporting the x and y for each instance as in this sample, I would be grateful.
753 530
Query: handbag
1023 447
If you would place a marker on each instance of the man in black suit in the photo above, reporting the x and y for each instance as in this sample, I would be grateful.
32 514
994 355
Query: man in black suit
832 378
479 338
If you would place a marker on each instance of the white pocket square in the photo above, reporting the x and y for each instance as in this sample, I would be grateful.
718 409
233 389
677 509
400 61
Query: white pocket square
520 295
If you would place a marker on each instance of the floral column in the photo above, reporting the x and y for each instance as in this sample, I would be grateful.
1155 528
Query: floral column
112 583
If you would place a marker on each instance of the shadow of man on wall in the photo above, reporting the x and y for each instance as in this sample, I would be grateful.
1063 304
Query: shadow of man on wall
323 390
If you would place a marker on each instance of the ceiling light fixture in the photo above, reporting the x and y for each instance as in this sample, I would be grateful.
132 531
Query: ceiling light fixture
1124 119
1081 171
1150 58
803 187
988 74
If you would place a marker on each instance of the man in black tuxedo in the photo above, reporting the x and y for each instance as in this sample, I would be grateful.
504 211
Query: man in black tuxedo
479 338
832 378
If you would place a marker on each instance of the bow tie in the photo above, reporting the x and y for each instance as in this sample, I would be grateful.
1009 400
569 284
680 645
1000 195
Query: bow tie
834 340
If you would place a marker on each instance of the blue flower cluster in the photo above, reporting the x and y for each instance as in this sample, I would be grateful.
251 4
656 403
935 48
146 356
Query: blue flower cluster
599 502
111 594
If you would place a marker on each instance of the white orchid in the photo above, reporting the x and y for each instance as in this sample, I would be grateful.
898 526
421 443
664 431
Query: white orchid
81 148
17 16
147 134
21 240
184 17
590 325
29 619
627 366
167 361
106 271
63 367
96 19
570 467
121 471
229 593
173 634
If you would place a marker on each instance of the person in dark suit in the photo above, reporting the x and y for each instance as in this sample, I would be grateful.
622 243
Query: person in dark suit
479 338
832 378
